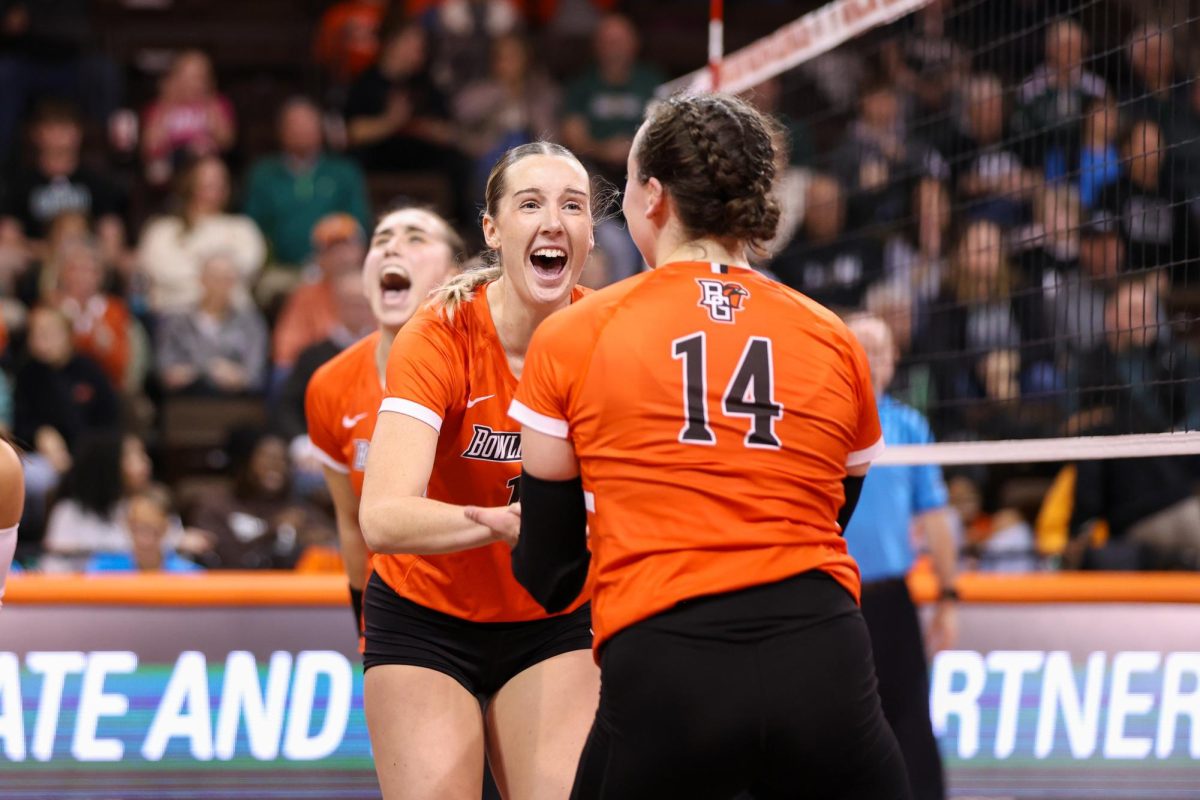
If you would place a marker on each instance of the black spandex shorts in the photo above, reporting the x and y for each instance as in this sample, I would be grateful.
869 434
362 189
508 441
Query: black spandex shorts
770 690
482 656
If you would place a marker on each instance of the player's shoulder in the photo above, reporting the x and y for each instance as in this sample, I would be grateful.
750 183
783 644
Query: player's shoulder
335 372
449 322
588 308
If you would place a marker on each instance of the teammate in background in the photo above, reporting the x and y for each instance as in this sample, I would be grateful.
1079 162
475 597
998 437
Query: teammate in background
447 626
716 426
412 251
893 500
12 503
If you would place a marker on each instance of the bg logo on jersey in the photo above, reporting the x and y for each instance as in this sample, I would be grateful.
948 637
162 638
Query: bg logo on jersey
721 298
489 445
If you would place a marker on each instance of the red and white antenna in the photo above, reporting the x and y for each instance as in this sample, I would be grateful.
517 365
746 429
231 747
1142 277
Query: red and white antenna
716 41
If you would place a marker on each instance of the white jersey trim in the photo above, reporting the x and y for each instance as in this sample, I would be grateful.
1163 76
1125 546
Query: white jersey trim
539 422
866 455
327 459
414 410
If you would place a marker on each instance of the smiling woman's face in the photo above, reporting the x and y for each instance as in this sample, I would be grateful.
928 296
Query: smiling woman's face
542 227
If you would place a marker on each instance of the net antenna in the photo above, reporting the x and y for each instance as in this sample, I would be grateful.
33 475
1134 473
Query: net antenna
716 41
811 35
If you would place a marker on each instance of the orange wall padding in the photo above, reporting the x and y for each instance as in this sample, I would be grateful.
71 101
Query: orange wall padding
292 589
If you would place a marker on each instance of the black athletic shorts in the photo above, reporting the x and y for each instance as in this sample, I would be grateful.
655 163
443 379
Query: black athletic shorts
770 690
482 656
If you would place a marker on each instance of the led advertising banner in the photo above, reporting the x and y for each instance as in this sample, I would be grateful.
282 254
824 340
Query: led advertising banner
1037 701
1071 701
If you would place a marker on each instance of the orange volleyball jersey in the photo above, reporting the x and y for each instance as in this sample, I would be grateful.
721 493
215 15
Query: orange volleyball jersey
453 375
714 413
341 403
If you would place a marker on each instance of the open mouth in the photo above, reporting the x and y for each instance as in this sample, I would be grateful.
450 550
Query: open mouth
548 262
395 286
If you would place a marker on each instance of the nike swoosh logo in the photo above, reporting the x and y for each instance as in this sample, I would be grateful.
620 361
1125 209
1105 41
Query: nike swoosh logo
476 400
350 422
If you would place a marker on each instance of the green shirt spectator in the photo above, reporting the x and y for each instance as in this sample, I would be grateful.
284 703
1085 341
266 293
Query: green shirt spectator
613 109
606 104
288 193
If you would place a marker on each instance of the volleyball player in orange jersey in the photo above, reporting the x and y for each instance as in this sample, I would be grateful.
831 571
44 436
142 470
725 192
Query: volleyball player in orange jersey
710 428
12 503
412 250
447 625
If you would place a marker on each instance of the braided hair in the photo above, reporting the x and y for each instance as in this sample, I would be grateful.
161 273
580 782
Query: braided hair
715 154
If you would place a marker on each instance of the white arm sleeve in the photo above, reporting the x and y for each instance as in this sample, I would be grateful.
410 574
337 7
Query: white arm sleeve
8 545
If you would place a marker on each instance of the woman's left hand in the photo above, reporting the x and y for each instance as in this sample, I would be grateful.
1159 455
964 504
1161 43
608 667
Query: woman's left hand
504 521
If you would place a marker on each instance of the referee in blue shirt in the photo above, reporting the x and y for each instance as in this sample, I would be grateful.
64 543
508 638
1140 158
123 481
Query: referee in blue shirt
896 505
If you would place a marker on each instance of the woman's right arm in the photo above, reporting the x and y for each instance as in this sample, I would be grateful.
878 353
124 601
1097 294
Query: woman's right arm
350 537
395 516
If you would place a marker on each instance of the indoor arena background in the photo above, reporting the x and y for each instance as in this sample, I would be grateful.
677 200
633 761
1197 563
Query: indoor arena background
1013 184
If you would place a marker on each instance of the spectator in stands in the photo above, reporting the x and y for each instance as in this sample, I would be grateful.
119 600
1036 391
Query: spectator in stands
1153 91
173 247
922 60
101 321
46 54
40 280
895 303
1051 100
515 103
287 193
1159 232
1076 301
879 161
311 313
986 339
1156 379
398 120
57 182
465 32
604 106
987 170
822 262
895 504
59 395
991 538
354 321
1153 517
218 347
108 466
146 521
1097 164
794 150
915 256
348 38
1047 250
189 120
257 525
564 19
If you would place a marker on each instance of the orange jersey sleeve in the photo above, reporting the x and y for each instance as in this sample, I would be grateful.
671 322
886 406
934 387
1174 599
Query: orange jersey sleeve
714 413
340 404
453 375
426 369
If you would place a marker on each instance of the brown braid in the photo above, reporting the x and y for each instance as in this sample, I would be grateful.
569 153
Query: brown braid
716 156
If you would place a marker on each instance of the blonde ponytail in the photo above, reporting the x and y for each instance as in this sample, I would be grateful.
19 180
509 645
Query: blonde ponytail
461 288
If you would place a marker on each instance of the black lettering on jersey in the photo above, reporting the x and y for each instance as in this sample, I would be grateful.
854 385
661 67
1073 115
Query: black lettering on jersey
489 445
722 298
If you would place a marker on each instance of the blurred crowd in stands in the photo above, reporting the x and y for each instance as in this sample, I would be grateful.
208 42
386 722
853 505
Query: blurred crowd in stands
1013 185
